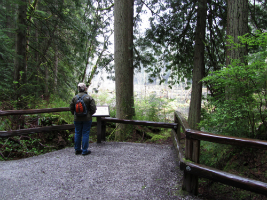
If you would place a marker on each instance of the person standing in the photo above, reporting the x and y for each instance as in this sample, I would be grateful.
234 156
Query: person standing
83 122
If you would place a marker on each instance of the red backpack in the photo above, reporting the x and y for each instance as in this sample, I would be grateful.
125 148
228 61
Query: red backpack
80 107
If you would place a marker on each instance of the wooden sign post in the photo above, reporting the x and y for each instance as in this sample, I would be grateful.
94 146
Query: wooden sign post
101 111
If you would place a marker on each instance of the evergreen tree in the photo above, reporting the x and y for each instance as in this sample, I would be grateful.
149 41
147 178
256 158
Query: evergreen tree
123 54
199 67
56 38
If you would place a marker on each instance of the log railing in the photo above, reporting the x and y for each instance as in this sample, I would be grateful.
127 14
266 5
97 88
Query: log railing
188 153
189 161
12 133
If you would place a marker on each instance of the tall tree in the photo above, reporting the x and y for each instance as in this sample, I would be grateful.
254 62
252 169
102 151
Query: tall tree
171 39
123 57
21 48
51 40
199 66
237 25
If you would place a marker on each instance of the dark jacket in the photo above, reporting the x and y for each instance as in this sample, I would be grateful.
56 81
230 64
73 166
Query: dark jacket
90 105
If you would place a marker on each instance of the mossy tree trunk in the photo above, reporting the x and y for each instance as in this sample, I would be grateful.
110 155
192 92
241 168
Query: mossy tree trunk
123 57
21 51
237 25
199 66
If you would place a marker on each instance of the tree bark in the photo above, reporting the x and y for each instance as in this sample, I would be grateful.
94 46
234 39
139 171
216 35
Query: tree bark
199 66
237 25
37 56
56 67
21 48
123 57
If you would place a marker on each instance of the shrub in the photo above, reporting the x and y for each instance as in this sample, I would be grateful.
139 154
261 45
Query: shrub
241 108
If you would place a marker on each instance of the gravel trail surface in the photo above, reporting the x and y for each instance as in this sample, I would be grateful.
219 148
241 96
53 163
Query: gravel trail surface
114 170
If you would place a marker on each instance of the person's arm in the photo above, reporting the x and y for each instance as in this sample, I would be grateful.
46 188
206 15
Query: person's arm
92 106
72 106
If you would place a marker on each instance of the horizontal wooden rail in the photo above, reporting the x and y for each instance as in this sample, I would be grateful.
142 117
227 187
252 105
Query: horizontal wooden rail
32 111
38 130
224 177
250 143
195 169
145 123
181 120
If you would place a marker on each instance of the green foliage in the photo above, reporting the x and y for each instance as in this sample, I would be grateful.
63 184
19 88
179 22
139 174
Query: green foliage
149 108
37 143
57 102
239 106
153 108
214 154
163 135
5 124
106 98
166 49
59 33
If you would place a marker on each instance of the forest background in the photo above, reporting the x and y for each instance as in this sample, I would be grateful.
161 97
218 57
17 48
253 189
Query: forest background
47 47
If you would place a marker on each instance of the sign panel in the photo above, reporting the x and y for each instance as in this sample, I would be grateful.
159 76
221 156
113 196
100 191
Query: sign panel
102 111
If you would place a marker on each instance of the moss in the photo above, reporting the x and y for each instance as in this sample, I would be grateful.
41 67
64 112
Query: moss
158 137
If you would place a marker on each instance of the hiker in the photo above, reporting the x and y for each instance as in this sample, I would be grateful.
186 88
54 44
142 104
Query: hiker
82 107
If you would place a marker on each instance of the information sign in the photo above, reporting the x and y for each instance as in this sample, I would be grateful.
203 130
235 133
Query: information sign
102 111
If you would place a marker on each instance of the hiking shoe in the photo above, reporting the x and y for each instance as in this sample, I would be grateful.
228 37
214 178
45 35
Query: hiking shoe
78 152
87 153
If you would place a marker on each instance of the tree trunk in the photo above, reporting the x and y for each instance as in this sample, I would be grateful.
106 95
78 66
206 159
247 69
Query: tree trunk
46 95
11 9
20 62
199 66
56 66
237 25
123 57
36 55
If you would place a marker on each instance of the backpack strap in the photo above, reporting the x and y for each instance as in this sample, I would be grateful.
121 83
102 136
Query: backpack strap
84 96
81 96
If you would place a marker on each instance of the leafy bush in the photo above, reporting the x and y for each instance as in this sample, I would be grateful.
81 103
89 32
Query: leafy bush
57 102
240 106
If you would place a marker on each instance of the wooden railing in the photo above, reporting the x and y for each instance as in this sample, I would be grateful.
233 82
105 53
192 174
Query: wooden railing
35 130
189 161
188 153
101 123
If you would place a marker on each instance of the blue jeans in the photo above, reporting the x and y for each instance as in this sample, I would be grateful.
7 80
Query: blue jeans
82 131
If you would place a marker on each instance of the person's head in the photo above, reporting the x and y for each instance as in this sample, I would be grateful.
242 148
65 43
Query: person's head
82 87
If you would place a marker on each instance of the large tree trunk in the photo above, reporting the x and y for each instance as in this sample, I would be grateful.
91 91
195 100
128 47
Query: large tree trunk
123 56
199 66
11 9
21 47
56 67
36 55
237 25
46 95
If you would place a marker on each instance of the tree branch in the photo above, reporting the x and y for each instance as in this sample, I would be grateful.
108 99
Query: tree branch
108 8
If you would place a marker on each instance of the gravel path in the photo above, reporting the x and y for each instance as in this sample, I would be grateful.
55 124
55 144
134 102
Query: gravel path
114 170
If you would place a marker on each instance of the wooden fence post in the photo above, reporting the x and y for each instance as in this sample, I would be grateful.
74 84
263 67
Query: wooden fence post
99 129
192 150
178 130
103 130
